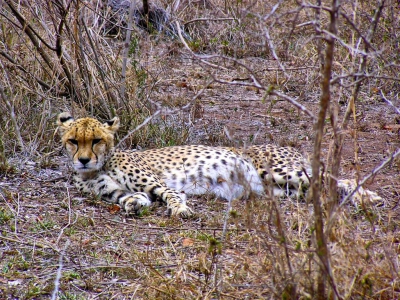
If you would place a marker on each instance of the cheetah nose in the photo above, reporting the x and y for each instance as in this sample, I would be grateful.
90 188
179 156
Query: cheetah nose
84 160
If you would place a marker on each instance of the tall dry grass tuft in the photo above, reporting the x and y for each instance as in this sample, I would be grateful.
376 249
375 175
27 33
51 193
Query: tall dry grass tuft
321 73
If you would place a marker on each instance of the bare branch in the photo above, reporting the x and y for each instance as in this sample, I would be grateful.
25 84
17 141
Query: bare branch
272 48
25 26
208 20
32 36
370 175
144 123
10 107
10 59
339 138
198 57
373 173
354 50
294 102
164 111
110 95
390 103
322 249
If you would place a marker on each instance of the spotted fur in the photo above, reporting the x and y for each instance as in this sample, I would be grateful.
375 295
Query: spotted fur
134 179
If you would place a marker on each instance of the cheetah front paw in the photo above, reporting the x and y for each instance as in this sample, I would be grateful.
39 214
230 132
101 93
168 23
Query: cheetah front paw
135 202
181 210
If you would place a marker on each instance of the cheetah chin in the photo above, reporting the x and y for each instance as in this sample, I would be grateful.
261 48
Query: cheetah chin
134 179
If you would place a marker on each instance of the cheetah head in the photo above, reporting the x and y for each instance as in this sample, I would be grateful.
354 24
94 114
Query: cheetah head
87 141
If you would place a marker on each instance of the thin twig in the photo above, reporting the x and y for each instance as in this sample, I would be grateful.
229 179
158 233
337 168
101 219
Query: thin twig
11 110
25 26
375 171
354 50
165 112
33 37
109 94
43 245
272 49
273 10
59 272
147 120
390 103
208 20
337 143
294 102
196 56
69 218
10 59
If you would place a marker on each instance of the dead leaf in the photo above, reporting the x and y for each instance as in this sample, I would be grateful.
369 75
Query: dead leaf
181 83
187 242
114 208
392 127
375 90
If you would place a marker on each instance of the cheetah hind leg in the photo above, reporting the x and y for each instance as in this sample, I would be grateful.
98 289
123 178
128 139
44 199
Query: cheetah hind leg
346 187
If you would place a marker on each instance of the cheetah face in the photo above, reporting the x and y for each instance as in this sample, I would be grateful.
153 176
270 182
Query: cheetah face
87 141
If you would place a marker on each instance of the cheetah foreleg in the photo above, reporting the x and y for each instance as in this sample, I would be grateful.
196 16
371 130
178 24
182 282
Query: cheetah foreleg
176 202
176 208
111 192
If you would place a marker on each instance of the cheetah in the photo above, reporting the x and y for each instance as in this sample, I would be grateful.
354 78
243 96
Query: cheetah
134 179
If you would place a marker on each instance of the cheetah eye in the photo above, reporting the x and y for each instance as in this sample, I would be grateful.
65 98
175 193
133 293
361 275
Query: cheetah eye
95 141
73 141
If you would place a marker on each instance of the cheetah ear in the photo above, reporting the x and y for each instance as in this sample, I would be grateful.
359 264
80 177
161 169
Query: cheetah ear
112 125
64 121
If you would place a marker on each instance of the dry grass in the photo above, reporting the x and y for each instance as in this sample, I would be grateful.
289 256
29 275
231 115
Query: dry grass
250 67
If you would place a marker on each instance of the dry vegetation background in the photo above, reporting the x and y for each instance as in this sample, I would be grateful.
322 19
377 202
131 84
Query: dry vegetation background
248 72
